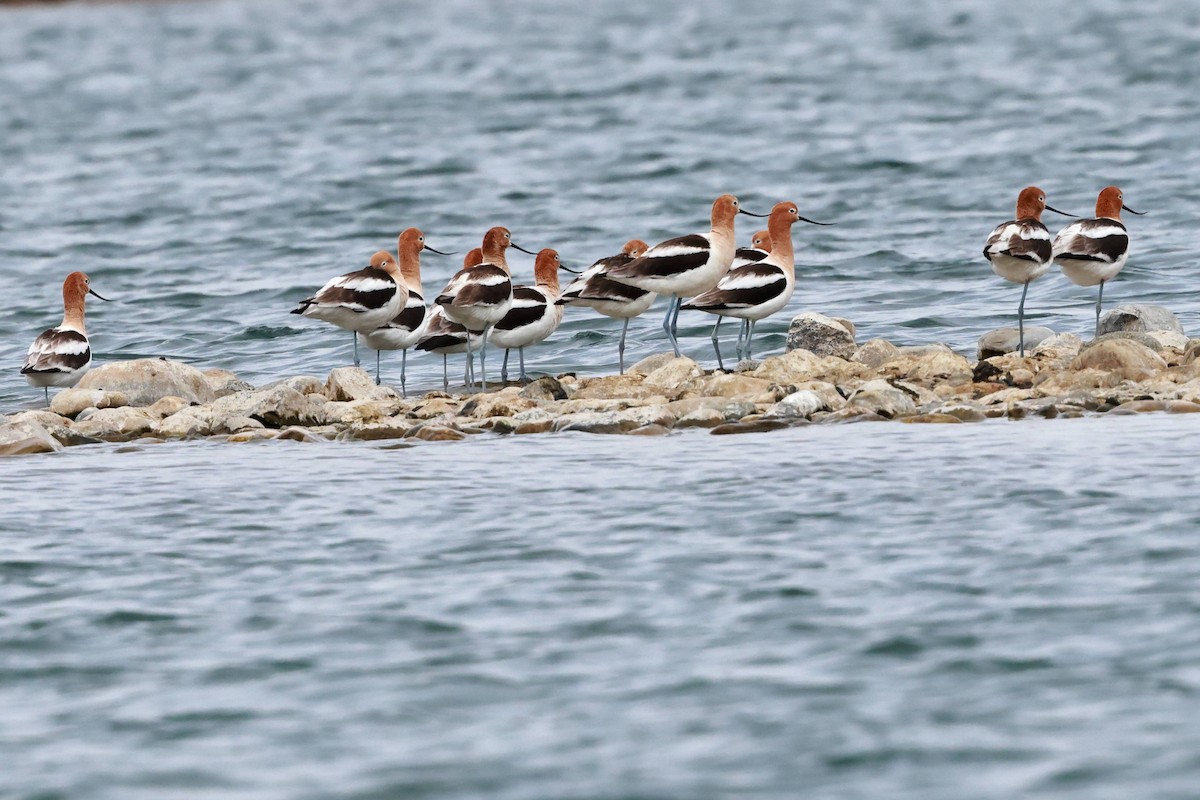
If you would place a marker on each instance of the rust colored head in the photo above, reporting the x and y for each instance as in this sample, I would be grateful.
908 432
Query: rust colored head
495 242
76 288
1031 202
383 260
545 268
724 210
408 250
473 259
635 247
762 240
1111 202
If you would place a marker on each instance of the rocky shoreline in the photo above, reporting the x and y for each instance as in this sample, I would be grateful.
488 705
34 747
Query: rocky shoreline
825 377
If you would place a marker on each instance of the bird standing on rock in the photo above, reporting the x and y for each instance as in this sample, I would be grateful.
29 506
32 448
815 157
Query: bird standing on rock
535 312
1019 250
1092 251
62 356
611 298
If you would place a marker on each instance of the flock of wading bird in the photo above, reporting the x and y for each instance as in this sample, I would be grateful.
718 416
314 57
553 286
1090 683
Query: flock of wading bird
386 303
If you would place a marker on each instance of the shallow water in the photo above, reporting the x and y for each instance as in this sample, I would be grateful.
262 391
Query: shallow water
989 610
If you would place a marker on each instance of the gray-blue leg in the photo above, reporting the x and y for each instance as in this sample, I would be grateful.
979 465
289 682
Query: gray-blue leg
483 358
504 367
1021 321
1099 297
621 346
356 363
446 375
717 344
403 364
669 327
521 356
741 340
749 337
377 352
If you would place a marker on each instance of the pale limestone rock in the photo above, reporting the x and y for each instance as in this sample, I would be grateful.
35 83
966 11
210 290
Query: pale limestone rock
1059 347
933 417
851 414
1165 339
884 399
435 433
828 393
701 418
1060 383
726 385
296 433
279 407
845 323
800 366
224 382
650 430
609 387
803 403
672 375
145 380
756 426
256 435
596 422
164 407
346 384
435 407
26 437
116 424
498 404
189 422
304 384
546 388
821 335
596 406
69 402
1127 359
874 353
1001 341
61 428
650 363
963 411
1139 317
376 431
941 366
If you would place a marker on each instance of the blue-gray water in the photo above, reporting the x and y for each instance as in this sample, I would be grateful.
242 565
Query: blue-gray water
991 610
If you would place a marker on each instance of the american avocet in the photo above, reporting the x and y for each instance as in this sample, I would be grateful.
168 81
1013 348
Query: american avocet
479 297
441 336
686 265
60 356
596 290
1019 250
760 247
757 289
406 328
1092 251
359 301
535 313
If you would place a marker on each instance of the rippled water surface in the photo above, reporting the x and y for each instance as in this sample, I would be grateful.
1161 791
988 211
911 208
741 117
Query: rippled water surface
996 610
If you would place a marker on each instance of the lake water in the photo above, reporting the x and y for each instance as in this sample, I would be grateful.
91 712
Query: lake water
991 610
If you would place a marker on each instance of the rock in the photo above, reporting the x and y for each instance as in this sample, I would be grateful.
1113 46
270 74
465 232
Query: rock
884 399
650 430
1059 347
726 385
436 407
1169 339
298 434
116 424
145 380
26 437
939 366
874 353
1057 384
650 363
69 402
256 435
276 408
851 414
596 422
801 366
435 433
534 426
1125 358
354 383
1133 336
189 422
672 375
224 382
701 418
304 384
821 335
497 404
964 413
1169 406
803 403
1000 341
545 388
845 323
166 406
59 427
609 387
1191 352
933 417
376 431
1139 317
756 426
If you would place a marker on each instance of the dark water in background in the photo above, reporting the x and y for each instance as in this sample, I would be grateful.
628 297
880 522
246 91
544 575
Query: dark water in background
994 610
